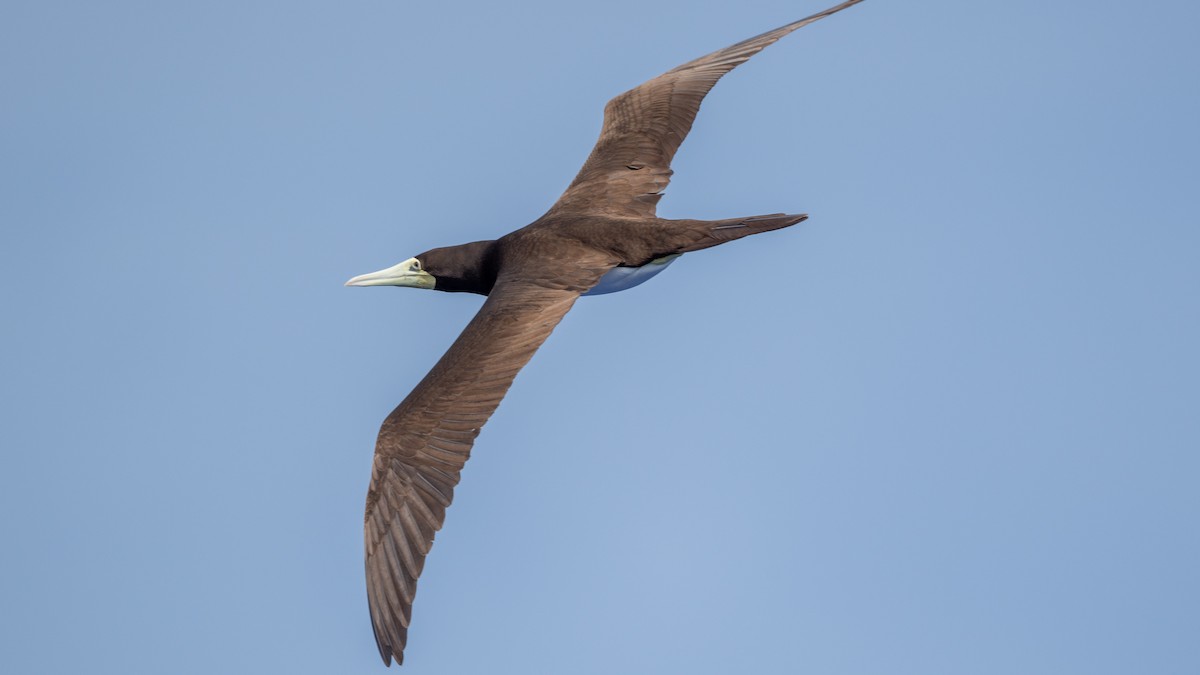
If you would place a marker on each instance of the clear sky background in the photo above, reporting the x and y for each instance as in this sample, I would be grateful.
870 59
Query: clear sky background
949 425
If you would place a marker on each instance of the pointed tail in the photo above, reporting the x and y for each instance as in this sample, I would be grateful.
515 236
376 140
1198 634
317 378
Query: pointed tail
714 232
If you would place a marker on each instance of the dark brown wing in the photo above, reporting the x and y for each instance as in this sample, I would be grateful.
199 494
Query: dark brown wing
631 163
424 443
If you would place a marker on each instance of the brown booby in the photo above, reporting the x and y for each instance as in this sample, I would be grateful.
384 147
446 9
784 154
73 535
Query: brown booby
602 236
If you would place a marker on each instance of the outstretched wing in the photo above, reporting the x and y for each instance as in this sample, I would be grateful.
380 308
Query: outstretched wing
427 439
631 163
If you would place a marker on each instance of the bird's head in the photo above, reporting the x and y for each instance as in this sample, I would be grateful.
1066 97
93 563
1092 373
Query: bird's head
411 272
467 268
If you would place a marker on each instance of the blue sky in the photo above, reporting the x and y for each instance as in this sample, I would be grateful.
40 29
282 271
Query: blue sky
948 425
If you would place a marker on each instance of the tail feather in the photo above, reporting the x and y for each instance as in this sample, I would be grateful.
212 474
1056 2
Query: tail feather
765 223
716 232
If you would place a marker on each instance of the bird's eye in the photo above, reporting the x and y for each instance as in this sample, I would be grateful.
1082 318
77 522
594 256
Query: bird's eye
415 267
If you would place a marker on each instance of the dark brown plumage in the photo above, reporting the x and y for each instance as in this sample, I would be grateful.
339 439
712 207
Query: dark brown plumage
604 222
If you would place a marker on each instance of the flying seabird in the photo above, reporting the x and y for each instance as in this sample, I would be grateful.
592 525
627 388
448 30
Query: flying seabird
602 236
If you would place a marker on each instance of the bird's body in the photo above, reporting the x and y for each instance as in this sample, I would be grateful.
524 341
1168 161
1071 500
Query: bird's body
602 236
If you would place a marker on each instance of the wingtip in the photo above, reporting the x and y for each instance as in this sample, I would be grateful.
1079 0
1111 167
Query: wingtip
386 652
388 655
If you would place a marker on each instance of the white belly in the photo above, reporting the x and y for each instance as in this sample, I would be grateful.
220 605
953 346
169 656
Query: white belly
621 278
